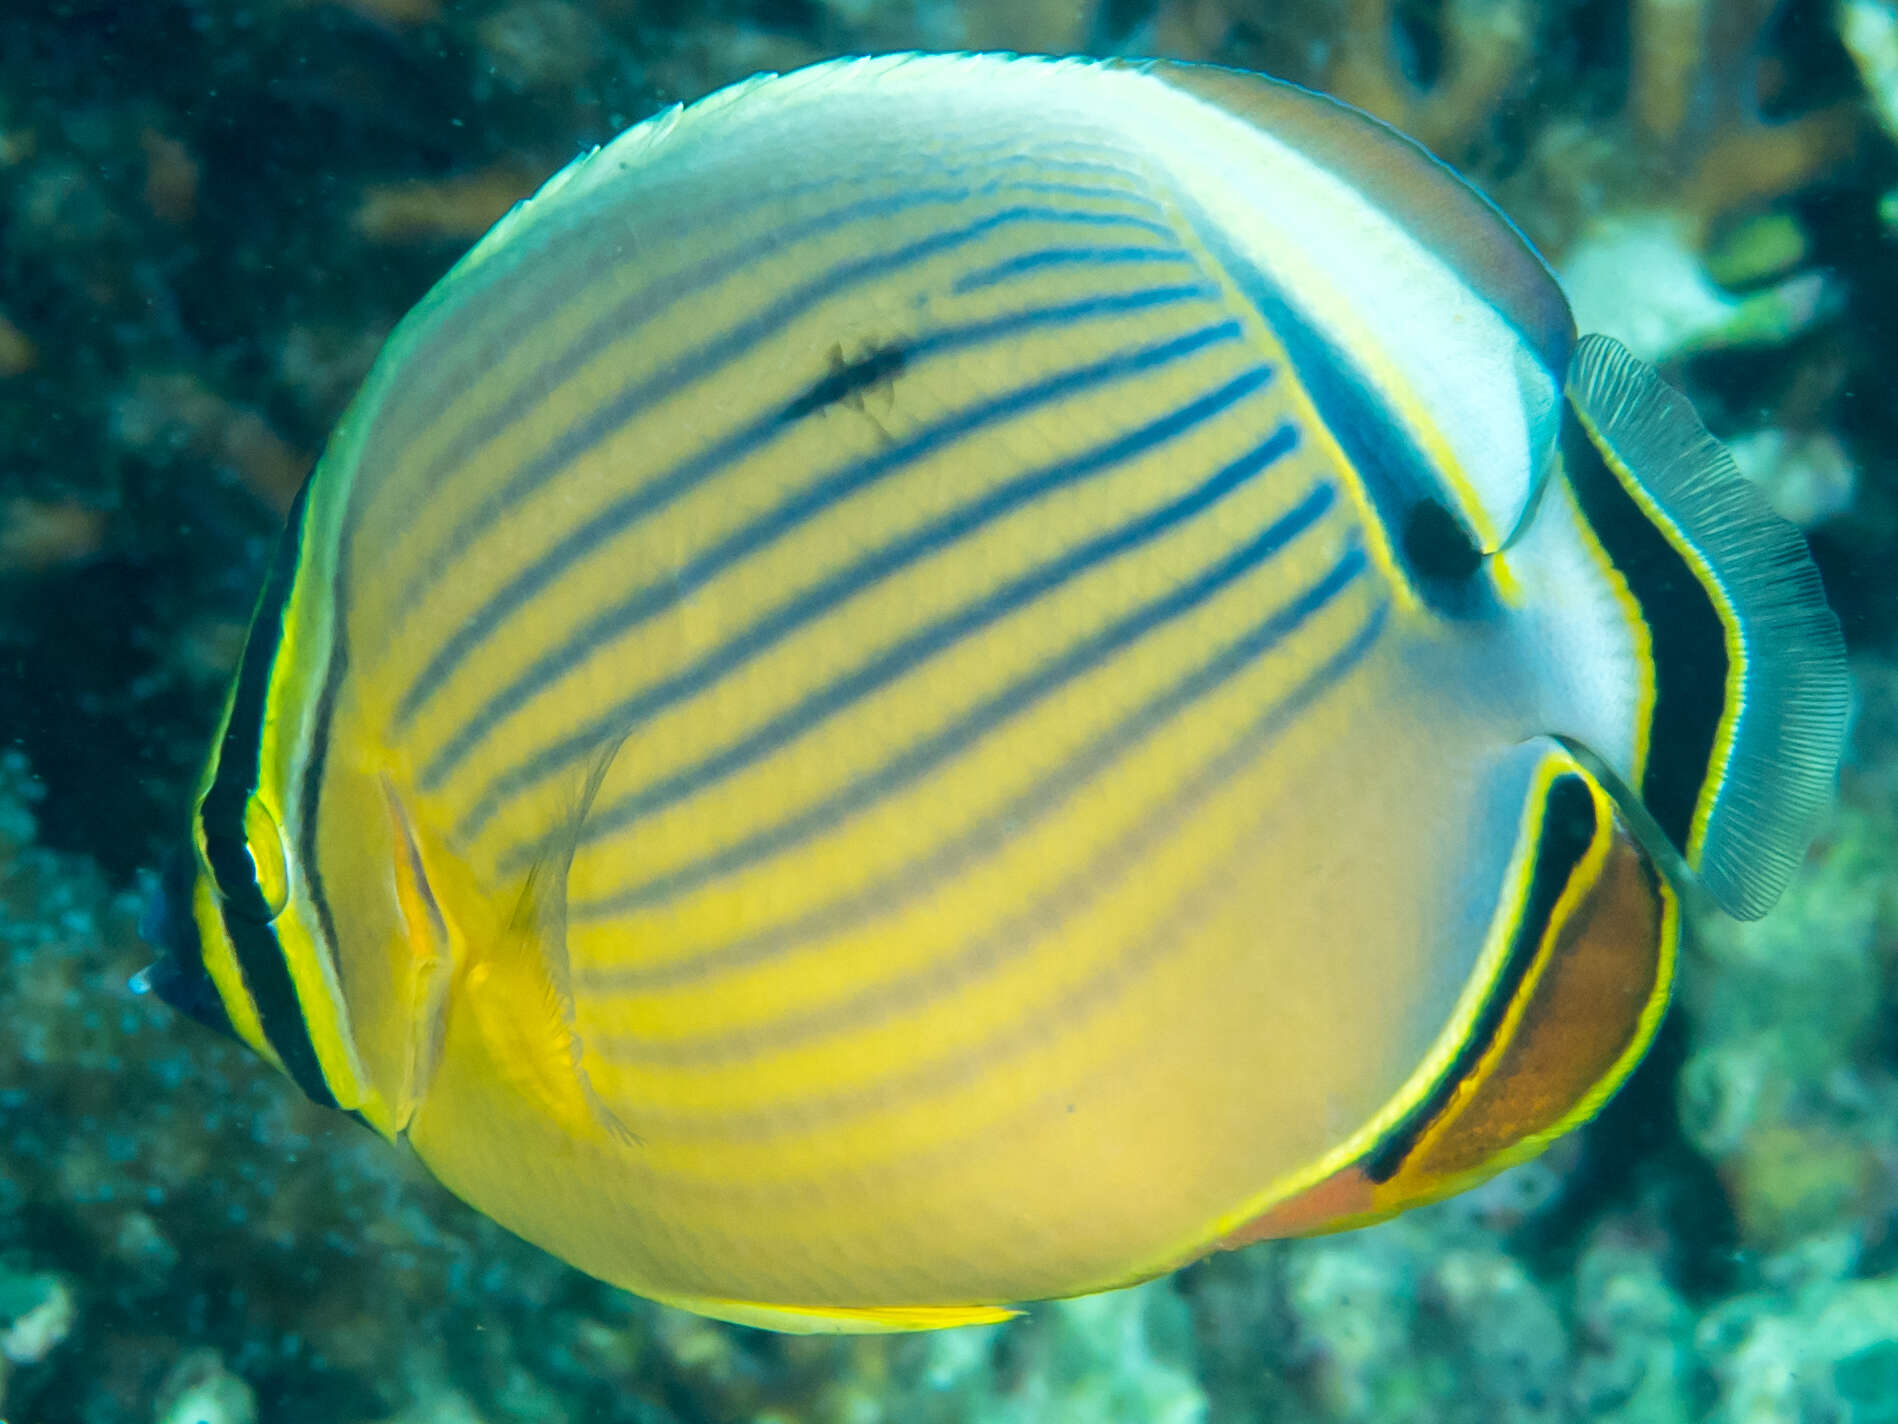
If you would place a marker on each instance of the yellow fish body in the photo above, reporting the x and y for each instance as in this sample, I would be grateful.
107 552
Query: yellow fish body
949 680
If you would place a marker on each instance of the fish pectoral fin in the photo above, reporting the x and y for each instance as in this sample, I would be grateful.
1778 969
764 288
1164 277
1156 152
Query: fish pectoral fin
524 1020
840 1320
519 986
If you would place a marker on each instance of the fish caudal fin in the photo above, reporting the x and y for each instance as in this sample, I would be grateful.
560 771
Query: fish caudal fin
1744 683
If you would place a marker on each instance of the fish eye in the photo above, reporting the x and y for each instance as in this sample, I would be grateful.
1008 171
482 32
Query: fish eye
265 844
251 874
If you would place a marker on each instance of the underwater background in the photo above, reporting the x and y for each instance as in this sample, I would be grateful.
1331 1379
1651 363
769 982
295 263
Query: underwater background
213 211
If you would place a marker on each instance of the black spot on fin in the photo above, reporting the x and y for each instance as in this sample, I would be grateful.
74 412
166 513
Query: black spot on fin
1437 545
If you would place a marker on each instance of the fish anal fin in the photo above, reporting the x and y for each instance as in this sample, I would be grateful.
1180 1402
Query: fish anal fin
1597 929
1337 1203
1594 930
841 1320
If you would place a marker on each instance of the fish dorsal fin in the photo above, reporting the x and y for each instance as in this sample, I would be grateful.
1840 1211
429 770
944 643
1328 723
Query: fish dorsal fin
660 136
1412 312
1457 222
1748 722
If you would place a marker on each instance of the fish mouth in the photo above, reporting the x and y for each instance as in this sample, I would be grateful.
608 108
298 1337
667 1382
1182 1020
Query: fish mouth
178 976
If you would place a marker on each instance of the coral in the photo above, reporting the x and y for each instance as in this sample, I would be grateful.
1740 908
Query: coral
177 407
1633 1332
18 354
199 1390
443 210
1484 48
398 14
36 1313
1694 135
1783 1090
540 44
39 534
1808 478
1696 96
1831 1353
1513 1351
1638 278
1869 29
1351 1310
171 177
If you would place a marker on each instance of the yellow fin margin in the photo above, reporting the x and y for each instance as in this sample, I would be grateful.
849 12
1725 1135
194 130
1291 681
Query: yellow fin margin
841 1320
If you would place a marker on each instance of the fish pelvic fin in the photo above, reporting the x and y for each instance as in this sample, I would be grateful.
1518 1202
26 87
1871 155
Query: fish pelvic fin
841 1320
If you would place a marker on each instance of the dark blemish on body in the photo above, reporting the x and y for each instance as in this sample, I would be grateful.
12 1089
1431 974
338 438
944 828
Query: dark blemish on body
1437 545
848 380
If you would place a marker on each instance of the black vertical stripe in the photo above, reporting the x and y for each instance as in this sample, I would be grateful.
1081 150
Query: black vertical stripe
1568 828
221 812
1685 631
246 911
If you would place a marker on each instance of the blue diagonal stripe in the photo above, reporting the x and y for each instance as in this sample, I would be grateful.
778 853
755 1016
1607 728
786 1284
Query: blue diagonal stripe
1073 256
625 716
1083 656
640 503
907 882
655 300
694 366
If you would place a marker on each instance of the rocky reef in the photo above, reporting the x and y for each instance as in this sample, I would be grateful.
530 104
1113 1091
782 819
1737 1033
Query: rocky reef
211 212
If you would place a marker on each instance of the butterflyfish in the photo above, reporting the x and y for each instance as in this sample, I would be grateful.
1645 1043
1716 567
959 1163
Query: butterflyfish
948 680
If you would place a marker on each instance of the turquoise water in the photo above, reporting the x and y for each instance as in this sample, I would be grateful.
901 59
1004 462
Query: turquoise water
212 212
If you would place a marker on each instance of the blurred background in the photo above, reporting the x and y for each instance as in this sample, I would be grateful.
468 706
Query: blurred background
213 211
